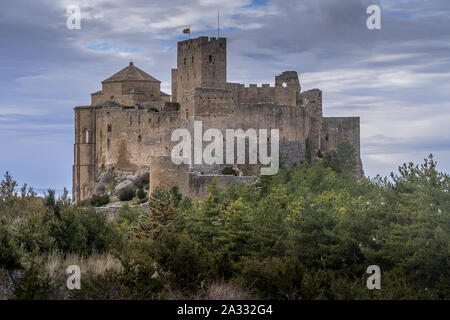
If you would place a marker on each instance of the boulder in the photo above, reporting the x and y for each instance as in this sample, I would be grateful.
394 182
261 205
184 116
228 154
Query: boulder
125 180
124 185
102 181
142 177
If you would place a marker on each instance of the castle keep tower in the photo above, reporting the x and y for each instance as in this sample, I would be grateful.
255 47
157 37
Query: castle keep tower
201 63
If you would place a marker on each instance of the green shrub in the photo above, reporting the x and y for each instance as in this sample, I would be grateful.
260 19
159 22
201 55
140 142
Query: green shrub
138 279
229 171
83 230
273 278
182 258
124 285
128 215
126 194
141 194
69 233
34 284
99 200
9 252
34 233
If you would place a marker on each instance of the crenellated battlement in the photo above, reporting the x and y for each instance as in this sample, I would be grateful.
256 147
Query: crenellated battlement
285 92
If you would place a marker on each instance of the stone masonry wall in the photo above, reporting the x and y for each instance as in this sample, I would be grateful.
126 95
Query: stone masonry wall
338 129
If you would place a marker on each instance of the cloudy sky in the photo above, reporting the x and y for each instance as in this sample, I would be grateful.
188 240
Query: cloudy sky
396 79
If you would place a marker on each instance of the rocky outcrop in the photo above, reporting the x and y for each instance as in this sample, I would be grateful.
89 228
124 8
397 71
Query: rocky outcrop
113 182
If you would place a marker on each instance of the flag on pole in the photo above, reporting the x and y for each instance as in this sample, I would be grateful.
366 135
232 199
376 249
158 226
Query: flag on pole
187 30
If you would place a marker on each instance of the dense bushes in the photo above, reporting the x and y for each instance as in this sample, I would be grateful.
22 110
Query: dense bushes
83 230
99 200
34 284
229 171
42 226
327 222
141 194
9 252
306 233
127 194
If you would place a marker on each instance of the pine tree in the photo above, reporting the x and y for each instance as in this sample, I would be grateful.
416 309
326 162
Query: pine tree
7 187
160 218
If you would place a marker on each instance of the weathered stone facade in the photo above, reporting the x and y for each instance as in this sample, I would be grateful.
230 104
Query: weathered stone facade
129 123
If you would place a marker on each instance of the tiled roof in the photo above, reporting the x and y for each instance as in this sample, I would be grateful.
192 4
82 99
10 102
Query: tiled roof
131 73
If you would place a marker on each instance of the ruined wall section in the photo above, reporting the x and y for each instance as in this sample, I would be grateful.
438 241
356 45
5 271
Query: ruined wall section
287 88
84 169
338 129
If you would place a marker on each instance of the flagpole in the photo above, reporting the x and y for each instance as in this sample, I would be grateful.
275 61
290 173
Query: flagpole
218 30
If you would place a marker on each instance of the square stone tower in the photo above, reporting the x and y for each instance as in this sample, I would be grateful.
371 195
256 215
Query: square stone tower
201 63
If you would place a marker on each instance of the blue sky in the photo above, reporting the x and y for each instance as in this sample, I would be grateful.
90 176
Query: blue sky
396 79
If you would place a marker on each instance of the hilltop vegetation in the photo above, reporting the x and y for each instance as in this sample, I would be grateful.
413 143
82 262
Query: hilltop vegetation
309 232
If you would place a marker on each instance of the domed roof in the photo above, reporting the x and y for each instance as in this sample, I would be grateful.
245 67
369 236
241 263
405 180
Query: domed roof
131 73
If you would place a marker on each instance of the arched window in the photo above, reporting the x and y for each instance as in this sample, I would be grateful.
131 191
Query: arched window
85 135
210 58
108 144
109 128
139 139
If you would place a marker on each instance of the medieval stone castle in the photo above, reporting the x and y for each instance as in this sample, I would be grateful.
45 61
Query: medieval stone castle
129 123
